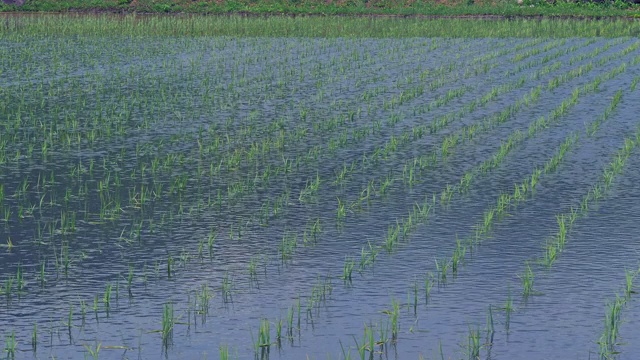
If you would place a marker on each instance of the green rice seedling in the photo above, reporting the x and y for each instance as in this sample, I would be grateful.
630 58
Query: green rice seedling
551 253
385 185
362 349
201 250
264 335
34 337
629 277
287 246
211 241
298 307
341 212
473 344
458 257
508 309
83 311
393 318
487 220
415 298
428 285
19 280
203 298
383 334
279 331
227 287
168 321
609 338
106 299
347 269
311 188
224 352
253 265
446 194
290 314
94 352
345 354
365 260
392 237
634 83
10 346
534 179
370 339
316 229
527 282
95 305
442 268
130 280
561 236
490 325
169 264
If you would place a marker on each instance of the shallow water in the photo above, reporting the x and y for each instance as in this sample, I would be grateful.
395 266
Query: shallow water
168 115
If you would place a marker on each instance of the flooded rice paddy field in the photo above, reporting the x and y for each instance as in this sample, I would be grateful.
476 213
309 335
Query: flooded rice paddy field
293 198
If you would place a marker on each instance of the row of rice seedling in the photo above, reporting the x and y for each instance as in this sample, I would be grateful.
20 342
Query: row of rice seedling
609 339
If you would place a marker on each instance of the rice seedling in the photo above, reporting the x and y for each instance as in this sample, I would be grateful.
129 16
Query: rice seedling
70 318
130 280
347 270
168 321
458 257
253 265
428 285
106 298
227 288
288 246
527 282
263 341
341 212
10 345
279 332
611 328
442 268
34 338
93 351
490 326
415 298
393 319
508 309
629 277
202 299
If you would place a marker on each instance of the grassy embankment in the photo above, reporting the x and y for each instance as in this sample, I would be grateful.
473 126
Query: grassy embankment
331 26
562 8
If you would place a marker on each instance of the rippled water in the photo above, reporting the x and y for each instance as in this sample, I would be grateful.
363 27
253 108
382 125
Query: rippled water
165 116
